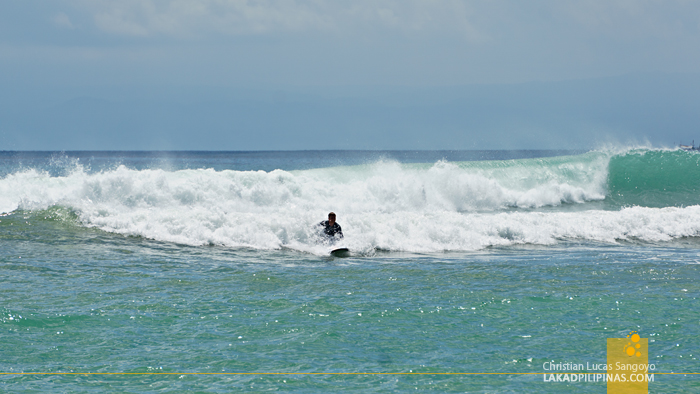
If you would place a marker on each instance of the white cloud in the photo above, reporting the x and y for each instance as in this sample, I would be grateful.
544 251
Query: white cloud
631 19
186 18
191 18
344 42
61 20
474 21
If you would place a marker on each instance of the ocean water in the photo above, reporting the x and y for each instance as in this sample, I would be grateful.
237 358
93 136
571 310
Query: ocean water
154 271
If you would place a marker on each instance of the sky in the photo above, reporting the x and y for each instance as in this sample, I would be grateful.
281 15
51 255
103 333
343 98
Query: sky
365 74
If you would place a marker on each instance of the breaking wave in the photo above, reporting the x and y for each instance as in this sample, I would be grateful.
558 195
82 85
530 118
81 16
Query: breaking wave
647 195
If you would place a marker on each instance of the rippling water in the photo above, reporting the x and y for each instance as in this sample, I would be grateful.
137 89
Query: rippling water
207 262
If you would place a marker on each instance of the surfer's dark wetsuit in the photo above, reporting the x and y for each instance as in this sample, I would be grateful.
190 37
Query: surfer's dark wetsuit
331 231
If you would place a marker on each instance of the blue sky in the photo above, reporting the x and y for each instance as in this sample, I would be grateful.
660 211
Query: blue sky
403 74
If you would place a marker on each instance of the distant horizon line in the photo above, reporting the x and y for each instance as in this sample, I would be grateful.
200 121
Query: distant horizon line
288 150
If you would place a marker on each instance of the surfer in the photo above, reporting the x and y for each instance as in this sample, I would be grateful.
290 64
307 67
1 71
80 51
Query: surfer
331 228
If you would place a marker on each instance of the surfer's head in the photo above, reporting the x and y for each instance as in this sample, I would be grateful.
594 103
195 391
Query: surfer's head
331 218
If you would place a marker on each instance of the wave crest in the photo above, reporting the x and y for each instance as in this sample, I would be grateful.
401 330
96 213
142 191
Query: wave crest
387 205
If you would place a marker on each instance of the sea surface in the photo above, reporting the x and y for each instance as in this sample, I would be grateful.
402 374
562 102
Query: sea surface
203 271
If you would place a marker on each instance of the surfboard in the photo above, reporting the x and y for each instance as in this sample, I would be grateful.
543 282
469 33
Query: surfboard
340 252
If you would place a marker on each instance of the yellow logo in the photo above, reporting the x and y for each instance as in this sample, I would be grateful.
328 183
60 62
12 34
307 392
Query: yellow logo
632 347
628 365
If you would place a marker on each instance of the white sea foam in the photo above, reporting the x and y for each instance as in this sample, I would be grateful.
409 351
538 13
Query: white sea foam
418 208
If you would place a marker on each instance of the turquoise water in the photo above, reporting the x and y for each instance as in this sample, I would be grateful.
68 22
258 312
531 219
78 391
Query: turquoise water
531 260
